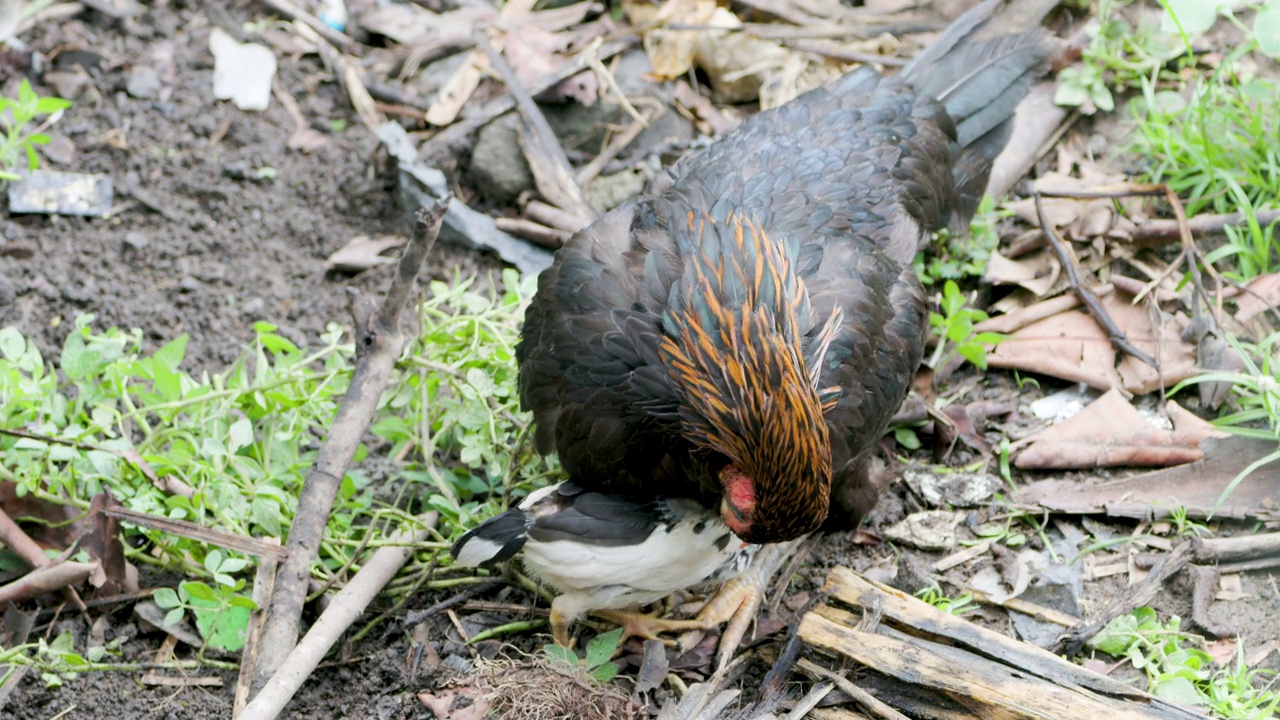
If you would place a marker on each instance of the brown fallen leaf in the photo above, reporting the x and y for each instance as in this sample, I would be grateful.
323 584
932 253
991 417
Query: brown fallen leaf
1037 272
1071 346
1262 294
362 253
1109 432
465 703
1196 488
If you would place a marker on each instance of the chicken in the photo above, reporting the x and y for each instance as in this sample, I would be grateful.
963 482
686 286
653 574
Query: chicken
741 333
608 552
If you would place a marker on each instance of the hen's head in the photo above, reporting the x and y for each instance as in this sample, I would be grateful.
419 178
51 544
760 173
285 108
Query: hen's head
742 353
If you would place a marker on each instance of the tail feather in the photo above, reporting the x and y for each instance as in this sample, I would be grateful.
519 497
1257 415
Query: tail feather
980 68
496 539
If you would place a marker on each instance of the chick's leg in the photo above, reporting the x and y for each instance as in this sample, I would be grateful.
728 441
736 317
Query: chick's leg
560 621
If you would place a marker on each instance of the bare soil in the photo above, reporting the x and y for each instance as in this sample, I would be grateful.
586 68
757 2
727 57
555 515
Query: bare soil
197 245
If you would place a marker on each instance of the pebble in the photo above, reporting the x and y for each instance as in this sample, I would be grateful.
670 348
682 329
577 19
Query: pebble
253 307
188 284
136 239
143 83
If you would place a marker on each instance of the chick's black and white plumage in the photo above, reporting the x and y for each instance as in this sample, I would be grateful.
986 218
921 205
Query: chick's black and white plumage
608 552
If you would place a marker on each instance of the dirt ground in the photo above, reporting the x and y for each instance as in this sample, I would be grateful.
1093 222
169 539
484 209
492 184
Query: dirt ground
196 244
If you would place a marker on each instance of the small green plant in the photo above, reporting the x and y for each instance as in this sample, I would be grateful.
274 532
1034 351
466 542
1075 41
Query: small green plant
1180 672
1118 56
1184 526
954 328
16 116
221 612
955 606
596 662
962 256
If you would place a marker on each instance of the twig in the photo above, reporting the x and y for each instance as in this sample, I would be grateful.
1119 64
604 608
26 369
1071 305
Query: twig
20 543
288 7
592 170
535 232
1158 232
551 170
378 344
345 609
552 217
864 699
169 484
458 599
1141 594
1090 300
196 531
453 138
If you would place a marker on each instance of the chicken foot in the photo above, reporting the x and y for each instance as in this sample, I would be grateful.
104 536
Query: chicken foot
734 605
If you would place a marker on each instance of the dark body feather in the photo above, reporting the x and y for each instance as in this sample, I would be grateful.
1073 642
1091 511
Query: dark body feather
838 188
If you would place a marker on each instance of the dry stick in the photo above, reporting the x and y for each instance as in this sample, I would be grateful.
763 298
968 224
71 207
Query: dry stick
453 138
1141 594
552 172
195 531
619 142
1156 232
20 543
864 699
379 342
1091 301
288 7
346 608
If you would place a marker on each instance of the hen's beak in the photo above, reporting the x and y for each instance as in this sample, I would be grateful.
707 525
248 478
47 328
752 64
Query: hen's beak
727 509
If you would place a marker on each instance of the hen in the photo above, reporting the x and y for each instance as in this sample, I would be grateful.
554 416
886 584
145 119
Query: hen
607 552
741 334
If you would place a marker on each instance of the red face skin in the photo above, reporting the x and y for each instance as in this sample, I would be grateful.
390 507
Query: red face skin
739 501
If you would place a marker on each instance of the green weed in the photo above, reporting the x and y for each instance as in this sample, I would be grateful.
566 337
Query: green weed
229 449
596 662
1180 672
962 256
955 606
954 328
16 117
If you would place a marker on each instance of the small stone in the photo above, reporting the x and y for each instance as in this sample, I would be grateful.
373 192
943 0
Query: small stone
143 83
7 291
42 287
188 284
498 165
253 307
136 240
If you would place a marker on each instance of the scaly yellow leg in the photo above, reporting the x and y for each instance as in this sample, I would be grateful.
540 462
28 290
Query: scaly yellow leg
735 603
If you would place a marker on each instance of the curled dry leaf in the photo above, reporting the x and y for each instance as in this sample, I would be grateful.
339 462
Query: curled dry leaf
1109 432
1037 272
466 703
362 253
1261 294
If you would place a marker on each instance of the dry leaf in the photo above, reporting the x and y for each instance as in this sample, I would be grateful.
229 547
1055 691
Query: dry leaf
1263 293
1070 345
1037 271
362 253
456 704
1109 432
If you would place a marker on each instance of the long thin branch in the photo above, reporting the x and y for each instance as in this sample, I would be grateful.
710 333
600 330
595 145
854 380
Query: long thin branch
1090 300
378 344
346 608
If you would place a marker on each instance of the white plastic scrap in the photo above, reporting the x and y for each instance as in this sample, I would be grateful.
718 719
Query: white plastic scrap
242 73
